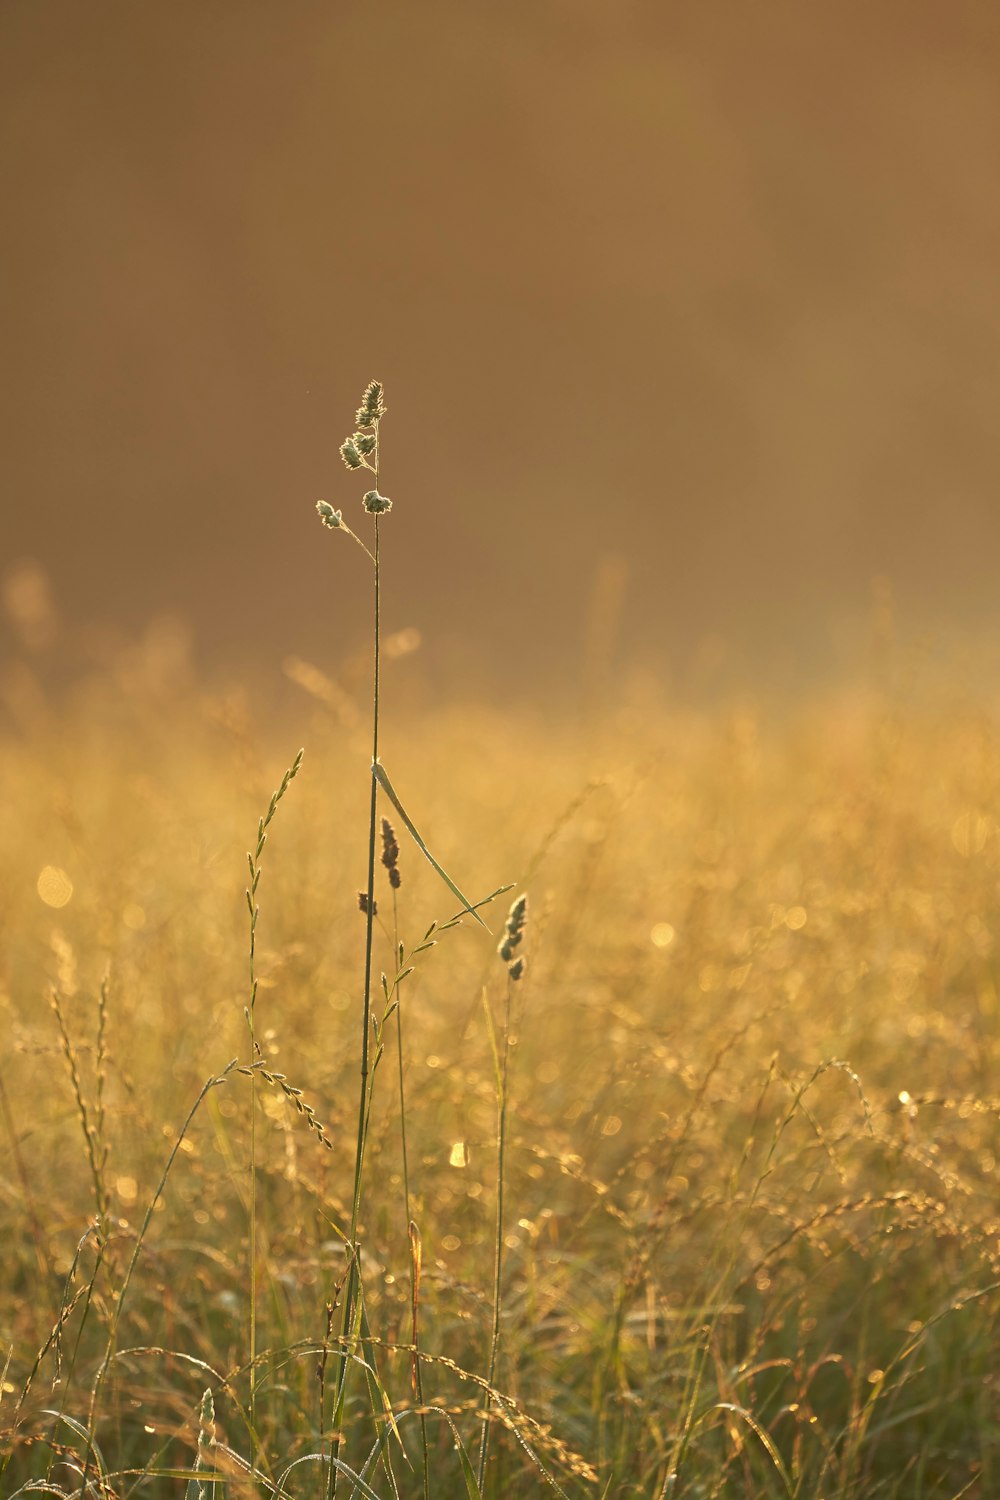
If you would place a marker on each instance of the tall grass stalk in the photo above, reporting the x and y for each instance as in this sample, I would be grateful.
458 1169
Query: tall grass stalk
369 415
253 860
91 1122
398 953
511 940
501 1060
412 1230
363 451
352 1289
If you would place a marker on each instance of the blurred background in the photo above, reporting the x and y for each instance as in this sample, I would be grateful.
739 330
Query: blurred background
688 317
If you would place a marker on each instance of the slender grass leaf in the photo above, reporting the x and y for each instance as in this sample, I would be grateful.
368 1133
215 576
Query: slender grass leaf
378 771
763 1436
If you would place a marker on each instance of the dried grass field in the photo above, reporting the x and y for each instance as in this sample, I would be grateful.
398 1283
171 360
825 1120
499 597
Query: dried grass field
750 1217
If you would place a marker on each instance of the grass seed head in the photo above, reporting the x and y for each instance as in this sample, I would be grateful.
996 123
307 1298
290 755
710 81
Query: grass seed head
349 453
372 407
330 517
390 853
516 919
363 904
376 504
206 1434
514 933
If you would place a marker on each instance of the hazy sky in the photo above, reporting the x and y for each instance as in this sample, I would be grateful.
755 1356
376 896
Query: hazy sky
707 288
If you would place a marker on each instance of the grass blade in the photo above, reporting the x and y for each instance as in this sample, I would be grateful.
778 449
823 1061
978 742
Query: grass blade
378 771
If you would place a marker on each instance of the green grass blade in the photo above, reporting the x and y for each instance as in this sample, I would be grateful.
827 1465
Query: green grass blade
378 771
763 1437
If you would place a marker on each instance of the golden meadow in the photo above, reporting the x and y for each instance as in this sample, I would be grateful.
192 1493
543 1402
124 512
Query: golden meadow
738 1112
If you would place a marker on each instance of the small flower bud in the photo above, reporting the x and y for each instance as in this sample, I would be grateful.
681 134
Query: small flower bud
376 504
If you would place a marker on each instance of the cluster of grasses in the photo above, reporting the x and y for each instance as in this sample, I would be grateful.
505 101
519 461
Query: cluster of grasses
690 1190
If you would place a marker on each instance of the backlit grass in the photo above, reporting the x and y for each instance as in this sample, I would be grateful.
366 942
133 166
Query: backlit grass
750 1225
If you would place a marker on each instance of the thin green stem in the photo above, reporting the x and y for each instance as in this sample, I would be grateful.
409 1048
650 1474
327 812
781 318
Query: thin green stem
352 1289
411 1228
498 1246
254 860
89 1130
399 1051
354 536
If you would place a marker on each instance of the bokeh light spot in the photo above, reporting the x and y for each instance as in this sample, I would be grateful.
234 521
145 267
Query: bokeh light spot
127 1188
54 886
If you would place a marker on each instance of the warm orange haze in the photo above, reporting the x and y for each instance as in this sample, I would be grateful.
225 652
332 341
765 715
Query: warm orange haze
574 1069
706 287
